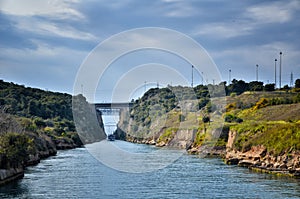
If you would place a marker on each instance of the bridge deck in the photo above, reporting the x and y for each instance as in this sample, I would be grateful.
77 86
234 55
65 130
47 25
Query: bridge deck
114 105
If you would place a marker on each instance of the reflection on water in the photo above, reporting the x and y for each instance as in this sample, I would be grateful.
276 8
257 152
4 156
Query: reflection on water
76 174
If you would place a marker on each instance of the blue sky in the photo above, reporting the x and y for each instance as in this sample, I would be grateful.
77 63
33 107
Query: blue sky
43 43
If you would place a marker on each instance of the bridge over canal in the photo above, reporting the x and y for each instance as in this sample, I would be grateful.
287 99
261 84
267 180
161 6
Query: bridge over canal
112 108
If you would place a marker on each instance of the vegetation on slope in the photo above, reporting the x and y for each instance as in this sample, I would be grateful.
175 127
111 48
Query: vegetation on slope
277 137
33 124
270 119
260 114
32 102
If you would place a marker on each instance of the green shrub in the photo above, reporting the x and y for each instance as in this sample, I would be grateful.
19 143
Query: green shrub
168 134
232 118
181 117
206 119
15 147
200 137
231 106
40 123
232 94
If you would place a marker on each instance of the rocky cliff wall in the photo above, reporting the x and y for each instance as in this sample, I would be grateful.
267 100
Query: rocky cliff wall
45 146
8 175
260 159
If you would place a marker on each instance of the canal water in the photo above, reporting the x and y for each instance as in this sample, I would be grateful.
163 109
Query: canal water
77 174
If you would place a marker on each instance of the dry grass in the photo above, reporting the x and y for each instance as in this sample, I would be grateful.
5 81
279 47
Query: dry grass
285 112
249 99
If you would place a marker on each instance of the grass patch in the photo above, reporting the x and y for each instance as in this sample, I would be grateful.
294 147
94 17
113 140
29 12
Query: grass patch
277 137
167 135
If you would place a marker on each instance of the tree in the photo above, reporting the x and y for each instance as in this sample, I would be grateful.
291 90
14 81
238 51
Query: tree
297 83
206 119
39 123
15 147
269 87
256 86
237 86
286 87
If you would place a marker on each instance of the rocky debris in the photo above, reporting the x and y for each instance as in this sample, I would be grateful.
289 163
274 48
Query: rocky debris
62 144
160 144
182 139
210 151
151 142
257 158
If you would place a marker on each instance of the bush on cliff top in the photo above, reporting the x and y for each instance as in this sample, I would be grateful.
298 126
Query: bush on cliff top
14 149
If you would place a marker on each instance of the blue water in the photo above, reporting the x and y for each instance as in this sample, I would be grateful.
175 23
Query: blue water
77 174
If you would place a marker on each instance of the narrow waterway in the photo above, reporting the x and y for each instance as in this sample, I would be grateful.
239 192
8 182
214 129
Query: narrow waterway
77 174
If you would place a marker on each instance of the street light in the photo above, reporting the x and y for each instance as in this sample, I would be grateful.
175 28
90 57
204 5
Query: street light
229 80
192 76
257 72
280 62
275 72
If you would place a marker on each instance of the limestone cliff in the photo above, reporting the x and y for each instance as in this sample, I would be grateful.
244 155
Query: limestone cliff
259 130
261 159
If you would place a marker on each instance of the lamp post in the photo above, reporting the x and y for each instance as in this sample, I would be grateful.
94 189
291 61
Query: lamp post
280 63
257 72
229 80
275 72
192 76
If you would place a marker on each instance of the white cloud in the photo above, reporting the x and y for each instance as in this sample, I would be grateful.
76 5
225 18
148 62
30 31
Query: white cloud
178 8
111 4
277 12
53 29
41 52
224 30
24 16
45 66
250 20
53 8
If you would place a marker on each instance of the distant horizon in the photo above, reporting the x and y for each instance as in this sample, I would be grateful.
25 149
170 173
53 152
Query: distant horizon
189 86
68 91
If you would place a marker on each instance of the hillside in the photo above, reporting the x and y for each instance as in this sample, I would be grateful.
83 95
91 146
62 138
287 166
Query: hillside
37 110
200 124
32 102
34 124
162 109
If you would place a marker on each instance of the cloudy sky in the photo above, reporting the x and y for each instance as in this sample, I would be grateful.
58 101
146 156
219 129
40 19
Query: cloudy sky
43 43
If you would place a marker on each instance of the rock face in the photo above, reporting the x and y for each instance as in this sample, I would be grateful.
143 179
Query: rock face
258 158
7 175
183 139
46 147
